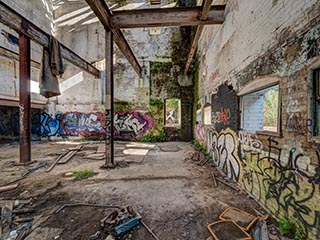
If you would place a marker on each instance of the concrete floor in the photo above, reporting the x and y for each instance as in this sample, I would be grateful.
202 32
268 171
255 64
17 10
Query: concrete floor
175 196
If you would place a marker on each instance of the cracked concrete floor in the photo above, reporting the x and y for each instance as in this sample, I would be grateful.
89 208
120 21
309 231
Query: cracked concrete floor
175 197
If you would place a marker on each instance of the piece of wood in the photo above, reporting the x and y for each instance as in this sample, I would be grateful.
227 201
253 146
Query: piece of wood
160 17
55 162
8 187
205 9
227 184
67 157
15 21
6 216
77 148
104 14
214 179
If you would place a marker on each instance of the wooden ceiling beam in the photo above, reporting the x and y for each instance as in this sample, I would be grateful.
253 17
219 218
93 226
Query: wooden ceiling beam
177 16
104 14
205 13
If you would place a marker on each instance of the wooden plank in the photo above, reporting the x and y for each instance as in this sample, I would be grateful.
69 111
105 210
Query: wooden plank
177 16
204 15
103 13
15 21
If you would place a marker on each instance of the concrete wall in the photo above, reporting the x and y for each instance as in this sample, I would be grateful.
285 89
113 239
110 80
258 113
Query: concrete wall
263 40
41 13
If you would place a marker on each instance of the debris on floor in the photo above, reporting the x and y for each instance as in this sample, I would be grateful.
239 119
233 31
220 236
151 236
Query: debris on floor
13 226
235 223
121 221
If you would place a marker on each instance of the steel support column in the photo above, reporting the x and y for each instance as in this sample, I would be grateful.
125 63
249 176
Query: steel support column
24 99
109 100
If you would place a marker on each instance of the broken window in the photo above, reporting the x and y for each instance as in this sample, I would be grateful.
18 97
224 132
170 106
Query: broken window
315 102
173 112
260 110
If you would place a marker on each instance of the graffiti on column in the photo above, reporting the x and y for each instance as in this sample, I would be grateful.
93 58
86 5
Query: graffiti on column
108 128
200 133
131 124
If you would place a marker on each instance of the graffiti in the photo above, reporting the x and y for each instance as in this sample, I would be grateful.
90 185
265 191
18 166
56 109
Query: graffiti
127 124
200 133
250 141
224 116
3 128
48 126
297 123
83 124
131 124
278 181
223 149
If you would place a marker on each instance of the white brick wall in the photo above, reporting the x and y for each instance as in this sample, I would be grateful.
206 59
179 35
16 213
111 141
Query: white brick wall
250 28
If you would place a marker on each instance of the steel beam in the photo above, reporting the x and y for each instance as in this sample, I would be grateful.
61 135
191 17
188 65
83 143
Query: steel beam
109 90
24 98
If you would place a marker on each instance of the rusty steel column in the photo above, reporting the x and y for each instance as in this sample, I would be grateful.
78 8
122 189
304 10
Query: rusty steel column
24 99
109 100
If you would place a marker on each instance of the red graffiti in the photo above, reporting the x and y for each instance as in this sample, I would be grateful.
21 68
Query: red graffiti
214 75
200 133
224 115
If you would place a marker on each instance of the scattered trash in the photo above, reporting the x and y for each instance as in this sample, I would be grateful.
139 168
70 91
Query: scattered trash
121 221
34 168
227 230
243 219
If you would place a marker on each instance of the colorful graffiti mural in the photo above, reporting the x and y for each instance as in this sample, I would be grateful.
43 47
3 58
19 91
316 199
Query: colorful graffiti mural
128 125
223 148
131 124
277 181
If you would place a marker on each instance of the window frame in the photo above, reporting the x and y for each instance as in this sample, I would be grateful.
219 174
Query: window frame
313 131
277 133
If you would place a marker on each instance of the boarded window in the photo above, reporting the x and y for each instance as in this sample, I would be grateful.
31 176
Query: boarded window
207 115
315 102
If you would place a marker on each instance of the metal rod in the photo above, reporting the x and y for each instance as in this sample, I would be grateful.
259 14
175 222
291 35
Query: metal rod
24 98
109 100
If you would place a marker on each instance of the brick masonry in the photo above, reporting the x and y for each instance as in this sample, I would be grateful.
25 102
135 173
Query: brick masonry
263 40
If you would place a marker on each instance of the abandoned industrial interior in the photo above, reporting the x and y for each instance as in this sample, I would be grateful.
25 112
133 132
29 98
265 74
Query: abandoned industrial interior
160 119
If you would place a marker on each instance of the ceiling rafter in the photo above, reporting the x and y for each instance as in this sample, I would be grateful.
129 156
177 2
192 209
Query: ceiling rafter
203 16
104 14
176 16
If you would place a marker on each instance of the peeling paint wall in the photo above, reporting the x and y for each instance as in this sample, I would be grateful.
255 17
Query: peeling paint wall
259 41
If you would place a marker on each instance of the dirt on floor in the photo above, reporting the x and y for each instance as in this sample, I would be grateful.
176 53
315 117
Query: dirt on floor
174 195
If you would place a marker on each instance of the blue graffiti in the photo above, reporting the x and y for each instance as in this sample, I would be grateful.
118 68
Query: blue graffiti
50 126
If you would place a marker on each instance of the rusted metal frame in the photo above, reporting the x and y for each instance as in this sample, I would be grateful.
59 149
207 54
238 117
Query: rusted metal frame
14 20
203 16
109 89
177 16
101 10
24 98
